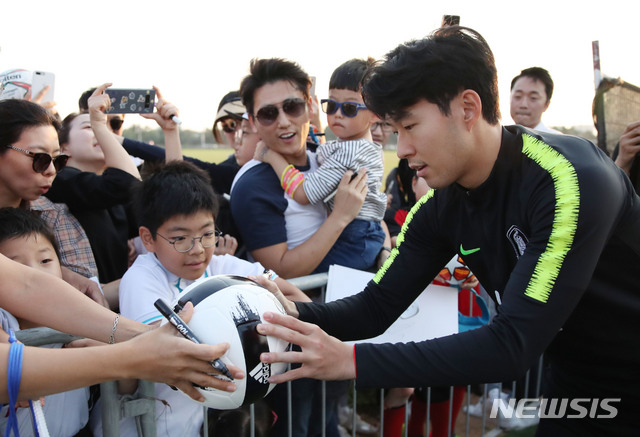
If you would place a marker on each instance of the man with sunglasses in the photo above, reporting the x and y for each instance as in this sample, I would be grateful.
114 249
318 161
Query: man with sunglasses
546 222
362 240
290 238
283 235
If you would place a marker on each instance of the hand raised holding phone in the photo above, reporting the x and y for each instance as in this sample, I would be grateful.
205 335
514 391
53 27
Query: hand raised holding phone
166 113
98 104
42 88
131 101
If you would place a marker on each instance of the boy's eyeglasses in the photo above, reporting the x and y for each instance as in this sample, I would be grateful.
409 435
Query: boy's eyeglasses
228 125
349 109
240 134
386 127
41 161
268 114
185 244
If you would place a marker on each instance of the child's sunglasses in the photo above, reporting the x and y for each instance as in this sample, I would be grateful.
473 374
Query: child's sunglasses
268 114
41 161
349 109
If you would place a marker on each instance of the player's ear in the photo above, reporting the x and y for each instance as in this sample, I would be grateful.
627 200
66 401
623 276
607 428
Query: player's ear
147 239
471 106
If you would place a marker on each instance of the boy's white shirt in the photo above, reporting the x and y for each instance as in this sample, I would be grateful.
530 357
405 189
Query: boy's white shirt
146 281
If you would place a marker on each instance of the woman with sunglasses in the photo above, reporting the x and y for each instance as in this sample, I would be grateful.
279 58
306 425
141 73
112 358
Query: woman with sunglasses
30 158
30 155
95 185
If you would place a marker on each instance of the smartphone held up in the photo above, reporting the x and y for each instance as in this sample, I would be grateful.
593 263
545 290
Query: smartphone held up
42 82
131 101
18 83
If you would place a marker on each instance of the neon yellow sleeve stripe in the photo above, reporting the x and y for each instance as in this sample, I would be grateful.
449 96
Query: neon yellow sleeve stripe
565 219
400 238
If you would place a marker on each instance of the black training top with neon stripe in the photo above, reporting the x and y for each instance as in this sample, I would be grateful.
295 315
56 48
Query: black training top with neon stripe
555 230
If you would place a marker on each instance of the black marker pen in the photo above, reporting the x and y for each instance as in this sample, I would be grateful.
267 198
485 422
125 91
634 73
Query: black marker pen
187 333
331 195
269 274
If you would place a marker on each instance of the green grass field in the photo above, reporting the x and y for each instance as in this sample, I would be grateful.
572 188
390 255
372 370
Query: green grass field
219 155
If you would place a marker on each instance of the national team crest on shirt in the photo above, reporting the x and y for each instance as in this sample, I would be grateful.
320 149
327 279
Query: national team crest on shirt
518 240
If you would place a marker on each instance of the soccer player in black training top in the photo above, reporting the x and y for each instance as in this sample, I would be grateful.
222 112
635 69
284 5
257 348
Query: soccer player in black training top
548 224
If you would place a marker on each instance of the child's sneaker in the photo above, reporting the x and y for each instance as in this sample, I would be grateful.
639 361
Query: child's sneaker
516 422
484 406
362 427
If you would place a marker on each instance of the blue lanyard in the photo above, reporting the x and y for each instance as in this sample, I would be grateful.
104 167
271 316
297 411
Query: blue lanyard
14 375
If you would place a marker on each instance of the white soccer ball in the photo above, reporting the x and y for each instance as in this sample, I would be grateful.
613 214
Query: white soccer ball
228 309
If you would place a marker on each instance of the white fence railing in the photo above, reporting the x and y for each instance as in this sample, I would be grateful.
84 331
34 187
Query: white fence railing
142 406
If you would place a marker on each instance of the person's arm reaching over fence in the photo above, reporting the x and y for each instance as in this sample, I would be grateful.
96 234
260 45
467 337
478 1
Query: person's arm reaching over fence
159 355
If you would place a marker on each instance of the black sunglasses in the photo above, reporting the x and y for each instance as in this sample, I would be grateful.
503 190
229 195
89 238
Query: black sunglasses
115 123
41 161
228 125
269 113
349 109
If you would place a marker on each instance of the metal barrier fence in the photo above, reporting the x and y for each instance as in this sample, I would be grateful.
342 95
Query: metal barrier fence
474 418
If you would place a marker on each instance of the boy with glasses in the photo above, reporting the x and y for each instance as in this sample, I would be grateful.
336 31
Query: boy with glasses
348 117
176 207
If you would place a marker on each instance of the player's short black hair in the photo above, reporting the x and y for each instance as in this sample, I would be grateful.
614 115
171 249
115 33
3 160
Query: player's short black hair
436 69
